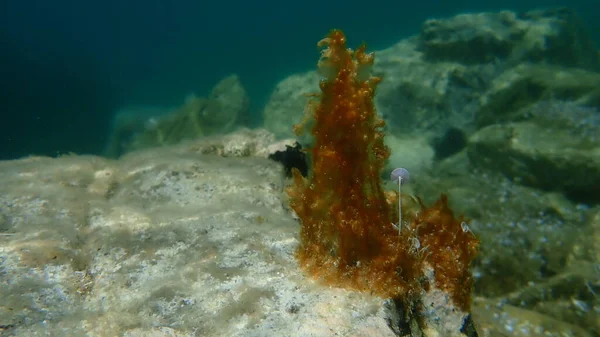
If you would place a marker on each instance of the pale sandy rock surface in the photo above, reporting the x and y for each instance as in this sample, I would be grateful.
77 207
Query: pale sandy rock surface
160 243
177 241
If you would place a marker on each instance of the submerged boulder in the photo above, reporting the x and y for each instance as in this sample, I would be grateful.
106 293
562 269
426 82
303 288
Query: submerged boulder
538 156
465 71
226 108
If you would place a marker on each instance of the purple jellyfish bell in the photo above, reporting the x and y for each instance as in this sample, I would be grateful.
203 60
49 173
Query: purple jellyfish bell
400 173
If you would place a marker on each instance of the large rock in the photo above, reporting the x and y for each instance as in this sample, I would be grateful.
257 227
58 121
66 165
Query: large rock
554 36
160 243
414 94
288 101
546 158
459 70
509 320
526 234
516 90
418 96
196 239
226 108
229 105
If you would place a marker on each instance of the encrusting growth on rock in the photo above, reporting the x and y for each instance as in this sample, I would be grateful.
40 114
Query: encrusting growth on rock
348 237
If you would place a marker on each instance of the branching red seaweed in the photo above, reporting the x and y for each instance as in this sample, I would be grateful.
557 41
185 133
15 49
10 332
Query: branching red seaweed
347 237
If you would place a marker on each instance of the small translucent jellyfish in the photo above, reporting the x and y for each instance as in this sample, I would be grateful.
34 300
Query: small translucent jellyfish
400 174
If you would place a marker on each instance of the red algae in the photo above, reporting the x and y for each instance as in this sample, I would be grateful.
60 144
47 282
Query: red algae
347 237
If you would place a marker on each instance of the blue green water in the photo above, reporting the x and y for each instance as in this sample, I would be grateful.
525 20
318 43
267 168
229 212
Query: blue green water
67 66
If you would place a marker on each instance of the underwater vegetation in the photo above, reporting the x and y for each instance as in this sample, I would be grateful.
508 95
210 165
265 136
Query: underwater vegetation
349 235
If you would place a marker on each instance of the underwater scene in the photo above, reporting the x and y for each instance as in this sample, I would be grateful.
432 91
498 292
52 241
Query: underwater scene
184 169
